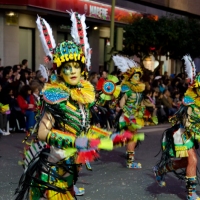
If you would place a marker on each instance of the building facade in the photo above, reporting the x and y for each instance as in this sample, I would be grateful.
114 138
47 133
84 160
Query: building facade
19 37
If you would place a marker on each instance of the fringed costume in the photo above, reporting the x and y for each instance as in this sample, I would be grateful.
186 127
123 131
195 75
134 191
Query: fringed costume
182 138
65 140
131 118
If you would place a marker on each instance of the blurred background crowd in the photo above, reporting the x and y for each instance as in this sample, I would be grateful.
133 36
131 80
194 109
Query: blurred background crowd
20 89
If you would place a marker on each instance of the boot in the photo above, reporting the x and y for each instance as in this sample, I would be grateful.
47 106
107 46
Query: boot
130 161
160 173
191 183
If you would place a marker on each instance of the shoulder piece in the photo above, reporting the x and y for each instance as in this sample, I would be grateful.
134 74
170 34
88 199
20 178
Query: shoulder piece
187 100
54 94
125 88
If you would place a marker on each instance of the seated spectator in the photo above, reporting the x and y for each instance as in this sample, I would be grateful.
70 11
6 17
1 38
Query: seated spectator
16 79
93 78
176 100
3 118
38 80
168 103
24 79
151 110
16 117
27 104
36 93
158 84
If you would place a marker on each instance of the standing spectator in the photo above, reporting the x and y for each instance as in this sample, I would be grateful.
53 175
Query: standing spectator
27 104
162 116
7 74
165 76
101 80
1 72
24 64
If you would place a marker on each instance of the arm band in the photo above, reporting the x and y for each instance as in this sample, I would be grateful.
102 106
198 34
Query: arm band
60 139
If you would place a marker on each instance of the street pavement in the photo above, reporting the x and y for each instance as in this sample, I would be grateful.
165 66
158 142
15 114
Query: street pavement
110 179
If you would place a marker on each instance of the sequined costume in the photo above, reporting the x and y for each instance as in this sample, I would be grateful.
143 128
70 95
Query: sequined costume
131 104
65 140
182 138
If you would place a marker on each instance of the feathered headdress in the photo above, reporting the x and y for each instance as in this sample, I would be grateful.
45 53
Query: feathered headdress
121 63
76 50
79 35
190 69
127 66
44 72
46 37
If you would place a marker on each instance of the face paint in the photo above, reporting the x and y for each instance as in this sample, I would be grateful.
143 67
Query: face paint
135 78
71 73
198 91
67 71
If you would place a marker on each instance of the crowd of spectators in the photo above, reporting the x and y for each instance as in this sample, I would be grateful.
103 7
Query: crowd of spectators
162 96
19 92
165 94
20 89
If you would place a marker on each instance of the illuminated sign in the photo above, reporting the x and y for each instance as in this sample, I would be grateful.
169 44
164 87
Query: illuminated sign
90 8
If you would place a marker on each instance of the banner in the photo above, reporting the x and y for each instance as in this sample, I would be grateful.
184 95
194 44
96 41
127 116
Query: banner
90 8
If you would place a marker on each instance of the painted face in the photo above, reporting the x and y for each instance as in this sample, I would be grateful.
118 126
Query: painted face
135 78
71 73
198 91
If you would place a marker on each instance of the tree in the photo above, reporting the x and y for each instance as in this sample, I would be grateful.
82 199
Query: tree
176 35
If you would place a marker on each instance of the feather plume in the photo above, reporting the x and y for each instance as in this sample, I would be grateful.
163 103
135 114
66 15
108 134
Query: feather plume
76 37
48 48
121 63
131 63
44 72
189 68
74 30
87 49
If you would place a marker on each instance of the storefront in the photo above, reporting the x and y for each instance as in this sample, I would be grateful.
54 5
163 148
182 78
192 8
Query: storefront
19 37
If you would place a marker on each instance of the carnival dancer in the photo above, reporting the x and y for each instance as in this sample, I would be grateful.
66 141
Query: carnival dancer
65 139
181 139
131 104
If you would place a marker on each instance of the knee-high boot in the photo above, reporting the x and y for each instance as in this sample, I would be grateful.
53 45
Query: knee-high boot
160 173
191 183
130 157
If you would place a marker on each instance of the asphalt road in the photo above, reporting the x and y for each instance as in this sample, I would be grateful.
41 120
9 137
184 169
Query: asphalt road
110 179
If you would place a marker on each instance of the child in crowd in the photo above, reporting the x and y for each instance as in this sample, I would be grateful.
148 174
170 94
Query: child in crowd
27 104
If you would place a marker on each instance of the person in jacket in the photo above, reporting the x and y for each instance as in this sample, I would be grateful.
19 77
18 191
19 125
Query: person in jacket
26 103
